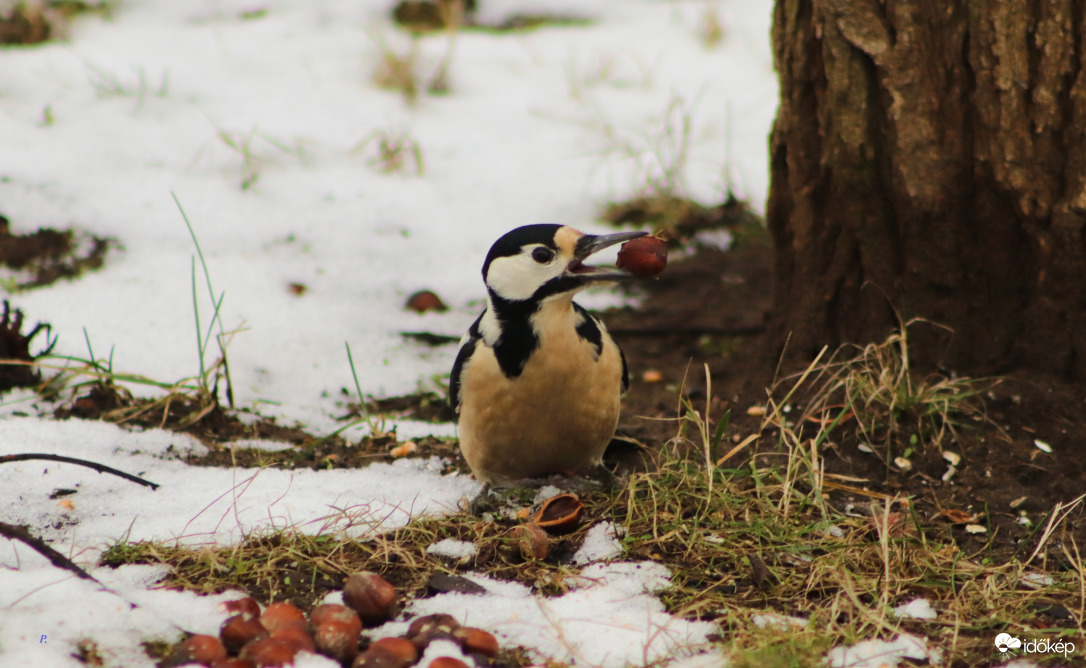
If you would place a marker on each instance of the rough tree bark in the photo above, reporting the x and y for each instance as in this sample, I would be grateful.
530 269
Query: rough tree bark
929 160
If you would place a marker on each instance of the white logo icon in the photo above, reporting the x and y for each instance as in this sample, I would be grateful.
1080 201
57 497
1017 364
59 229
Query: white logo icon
1005 642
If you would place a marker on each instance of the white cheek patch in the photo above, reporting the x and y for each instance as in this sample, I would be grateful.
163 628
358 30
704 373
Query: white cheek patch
518 277
489 327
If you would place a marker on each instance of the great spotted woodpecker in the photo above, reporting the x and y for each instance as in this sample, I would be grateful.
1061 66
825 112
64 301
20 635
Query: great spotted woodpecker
537 382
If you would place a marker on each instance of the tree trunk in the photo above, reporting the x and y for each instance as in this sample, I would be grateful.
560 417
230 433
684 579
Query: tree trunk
929 161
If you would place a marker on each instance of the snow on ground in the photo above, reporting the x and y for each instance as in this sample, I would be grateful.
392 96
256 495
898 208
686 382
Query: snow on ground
918 608
877 653
195 100
613 601
538 126
217 505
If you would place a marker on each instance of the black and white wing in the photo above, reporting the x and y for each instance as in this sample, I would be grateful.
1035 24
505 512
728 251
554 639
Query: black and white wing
591 329
467 348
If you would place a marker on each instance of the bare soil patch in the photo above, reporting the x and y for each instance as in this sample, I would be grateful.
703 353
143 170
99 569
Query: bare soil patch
46 255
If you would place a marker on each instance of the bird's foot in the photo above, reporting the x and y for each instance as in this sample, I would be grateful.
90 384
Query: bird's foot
504 494
604 478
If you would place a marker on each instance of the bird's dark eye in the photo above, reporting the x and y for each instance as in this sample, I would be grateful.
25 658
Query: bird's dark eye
542 255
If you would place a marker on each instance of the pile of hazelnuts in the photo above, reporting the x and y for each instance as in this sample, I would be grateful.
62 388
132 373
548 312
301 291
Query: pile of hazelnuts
251 638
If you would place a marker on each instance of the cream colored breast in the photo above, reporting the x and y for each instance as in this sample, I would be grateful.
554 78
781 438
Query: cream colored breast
556 417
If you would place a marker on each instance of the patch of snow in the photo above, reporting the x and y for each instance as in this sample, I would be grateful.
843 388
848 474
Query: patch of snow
879 653
439 648
707 659
261 444
47 612
311 660
220 505
918 608
1038 580
545 492
610 619
715 239
452 548
600 543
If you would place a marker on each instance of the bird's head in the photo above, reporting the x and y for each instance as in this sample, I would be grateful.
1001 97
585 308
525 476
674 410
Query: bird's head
537 261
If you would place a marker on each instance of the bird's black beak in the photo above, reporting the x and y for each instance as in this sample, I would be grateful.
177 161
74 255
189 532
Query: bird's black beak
593 243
